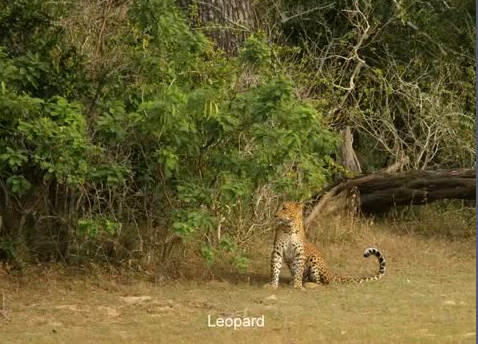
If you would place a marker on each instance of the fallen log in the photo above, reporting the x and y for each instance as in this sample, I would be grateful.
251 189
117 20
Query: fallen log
376 193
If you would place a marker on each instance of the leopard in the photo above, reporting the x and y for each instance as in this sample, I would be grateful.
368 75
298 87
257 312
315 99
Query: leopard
303 259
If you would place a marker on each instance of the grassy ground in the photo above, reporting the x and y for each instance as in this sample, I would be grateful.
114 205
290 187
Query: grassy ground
427 296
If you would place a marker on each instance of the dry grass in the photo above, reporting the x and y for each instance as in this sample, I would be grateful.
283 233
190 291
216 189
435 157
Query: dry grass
427 296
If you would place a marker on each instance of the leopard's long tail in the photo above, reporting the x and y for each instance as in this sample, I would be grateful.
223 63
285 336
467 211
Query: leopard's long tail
381 271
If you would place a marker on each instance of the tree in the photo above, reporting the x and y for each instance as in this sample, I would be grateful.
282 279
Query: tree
227 22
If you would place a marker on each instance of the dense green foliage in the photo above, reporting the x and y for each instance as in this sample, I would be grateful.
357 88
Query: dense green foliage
155 118
121 130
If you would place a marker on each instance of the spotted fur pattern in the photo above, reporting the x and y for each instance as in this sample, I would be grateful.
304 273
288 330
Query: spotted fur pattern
304 260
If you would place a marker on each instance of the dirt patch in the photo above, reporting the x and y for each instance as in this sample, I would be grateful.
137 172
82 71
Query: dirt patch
133 300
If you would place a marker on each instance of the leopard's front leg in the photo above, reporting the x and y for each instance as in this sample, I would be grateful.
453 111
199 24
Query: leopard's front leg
298 267
276 264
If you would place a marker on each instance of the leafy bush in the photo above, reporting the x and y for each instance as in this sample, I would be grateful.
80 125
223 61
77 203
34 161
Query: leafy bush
153 129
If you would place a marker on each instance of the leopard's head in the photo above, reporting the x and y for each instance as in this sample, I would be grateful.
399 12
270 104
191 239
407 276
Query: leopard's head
289 212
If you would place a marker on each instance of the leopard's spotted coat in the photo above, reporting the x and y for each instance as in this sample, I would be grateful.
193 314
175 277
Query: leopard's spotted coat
304 260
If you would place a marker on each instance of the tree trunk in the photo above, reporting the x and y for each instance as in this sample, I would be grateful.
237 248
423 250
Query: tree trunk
349 158
379 192
226 22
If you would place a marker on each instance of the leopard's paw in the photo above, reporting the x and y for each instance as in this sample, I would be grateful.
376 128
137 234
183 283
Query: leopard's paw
270 286
299 287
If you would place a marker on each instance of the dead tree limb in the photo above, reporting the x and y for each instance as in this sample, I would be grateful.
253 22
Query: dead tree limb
376 193
3 311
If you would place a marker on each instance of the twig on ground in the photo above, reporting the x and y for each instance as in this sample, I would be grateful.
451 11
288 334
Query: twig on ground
3 311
